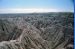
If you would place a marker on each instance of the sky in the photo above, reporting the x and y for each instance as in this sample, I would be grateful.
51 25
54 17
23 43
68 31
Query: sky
29 6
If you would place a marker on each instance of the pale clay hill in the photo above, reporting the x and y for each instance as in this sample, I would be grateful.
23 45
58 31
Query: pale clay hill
29 39
36 31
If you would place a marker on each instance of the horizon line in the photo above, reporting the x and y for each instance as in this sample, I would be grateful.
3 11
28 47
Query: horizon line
36 13
32 10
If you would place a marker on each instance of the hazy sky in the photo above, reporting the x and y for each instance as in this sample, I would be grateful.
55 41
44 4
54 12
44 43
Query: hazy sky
12 6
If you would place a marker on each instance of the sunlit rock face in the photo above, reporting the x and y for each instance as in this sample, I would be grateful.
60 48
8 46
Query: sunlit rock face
36 31
29 39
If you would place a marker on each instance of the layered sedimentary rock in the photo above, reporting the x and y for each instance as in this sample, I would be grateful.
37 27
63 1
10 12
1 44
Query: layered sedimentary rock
29 39
37 31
